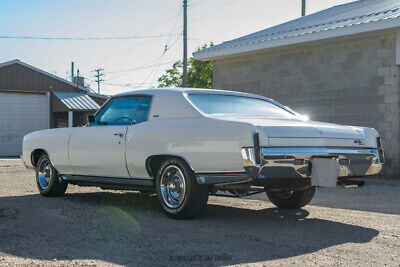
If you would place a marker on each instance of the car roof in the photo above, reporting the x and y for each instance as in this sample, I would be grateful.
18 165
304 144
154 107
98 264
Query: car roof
175 90
173 103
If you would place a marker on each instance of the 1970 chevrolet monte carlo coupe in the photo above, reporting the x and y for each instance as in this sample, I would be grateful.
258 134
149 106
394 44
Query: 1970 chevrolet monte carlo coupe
186 144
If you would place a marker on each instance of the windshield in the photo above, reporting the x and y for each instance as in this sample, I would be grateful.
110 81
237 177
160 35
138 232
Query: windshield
214 104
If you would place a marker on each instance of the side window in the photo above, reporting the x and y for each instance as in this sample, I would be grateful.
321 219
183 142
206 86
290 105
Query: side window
142 113
119 111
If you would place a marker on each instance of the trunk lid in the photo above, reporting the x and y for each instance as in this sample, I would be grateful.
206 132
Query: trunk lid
295 133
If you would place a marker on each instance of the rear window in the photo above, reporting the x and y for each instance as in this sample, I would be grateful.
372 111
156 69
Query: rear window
214 104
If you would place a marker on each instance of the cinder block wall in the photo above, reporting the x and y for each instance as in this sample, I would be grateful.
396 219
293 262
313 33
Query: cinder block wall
351 81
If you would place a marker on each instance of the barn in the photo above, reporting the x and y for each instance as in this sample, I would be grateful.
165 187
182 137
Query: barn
338 65
32 99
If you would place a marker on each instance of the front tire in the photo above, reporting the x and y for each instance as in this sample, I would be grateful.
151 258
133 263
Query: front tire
47 179
286 199
180 196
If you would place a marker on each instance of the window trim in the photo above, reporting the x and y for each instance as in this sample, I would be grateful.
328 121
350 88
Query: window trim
244 96
123 96
148 113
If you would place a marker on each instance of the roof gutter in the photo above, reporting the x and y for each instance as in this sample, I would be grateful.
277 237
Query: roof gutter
303 38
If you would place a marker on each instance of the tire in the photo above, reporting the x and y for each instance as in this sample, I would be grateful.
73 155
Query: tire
291 199
47 179
179 194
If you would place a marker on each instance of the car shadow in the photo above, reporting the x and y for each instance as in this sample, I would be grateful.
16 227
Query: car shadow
130 229
383 199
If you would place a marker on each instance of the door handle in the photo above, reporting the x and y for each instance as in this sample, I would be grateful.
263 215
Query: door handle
119 134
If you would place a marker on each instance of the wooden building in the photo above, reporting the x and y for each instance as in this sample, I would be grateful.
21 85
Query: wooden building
32 99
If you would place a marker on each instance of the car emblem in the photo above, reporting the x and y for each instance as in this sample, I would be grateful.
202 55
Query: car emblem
359 141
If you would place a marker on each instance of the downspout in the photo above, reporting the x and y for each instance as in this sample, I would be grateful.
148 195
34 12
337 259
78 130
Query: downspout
398 68
49 117
398 55
398 49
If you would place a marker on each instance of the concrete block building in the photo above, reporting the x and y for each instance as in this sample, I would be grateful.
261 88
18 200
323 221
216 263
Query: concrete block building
32 99
340 65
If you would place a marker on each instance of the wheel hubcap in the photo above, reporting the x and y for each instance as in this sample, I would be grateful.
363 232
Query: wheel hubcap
45 173
173 186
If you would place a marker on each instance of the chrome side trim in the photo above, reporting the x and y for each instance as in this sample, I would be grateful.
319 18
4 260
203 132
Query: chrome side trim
289 162
99 180
222 178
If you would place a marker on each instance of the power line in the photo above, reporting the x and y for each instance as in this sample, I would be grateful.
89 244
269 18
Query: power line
140 68
206 14
194 3
167 47
144 30
165 51
89 38
156 66
128 71
153 71
200 39
128 84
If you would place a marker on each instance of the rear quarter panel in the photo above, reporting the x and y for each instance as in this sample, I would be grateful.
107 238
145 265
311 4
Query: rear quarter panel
209 145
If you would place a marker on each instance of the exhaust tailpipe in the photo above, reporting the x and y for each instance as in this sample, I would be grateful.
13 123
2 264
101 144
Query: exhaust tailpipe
351 183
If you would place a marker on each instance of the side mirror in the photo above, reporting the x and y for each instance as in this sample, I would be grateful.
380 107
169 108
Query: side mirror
91 119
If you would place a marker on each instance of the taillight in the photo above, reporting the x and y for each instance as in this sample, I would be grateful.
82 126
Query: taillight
380 150
257 149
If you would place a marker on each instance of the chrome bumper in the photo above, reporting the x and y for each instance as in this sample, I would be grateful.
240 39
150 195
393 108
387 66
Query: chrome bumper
295 162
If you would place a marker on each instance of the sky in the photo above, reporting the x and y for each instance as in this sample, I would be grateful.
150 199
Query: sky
131 63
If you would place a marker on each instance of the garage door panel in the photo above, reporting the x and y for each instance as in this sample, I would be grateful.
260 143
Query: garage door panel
20 114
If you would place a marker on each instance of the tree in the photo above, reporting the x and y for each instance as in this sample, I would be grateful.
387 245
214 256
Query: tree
199 73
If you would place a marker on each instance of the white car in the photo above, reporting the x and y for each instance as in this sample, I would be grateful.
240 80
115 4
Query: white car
185 144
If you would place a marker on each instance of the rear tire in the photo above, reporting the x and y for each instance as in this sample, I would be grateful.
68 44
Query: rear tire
180 196
291 199
47 179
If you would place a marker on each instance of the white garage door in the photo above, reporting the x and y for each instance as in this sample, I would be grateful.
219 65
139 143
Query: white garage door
21 113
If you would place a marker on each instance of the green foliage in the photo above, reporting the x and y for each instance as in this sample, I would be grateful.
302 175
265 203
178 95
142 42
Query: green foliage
199 73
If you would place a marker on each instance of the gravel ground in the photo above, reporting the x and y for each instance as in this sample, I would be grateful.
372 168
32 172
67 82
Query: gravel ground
89 226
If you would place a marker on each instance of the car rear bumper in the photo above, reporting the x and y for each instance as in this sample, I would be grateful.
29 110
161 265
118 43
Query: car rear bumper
273 163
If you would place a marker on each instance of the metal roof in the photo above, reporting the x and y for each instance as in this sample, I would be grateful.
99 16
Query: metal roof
333 19
77 101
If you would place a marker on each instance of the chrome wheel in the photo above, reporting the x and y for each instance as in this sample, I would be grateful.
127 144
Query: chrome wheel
45 172
173 186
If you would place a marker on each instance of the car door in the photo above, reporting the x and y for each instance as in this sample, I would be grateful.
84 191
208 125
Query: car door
137 140
99 149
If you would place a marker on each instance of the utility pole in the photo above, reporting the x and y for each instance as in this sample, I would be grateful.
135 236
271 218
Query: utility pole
77 78
185 78
98 76
303 8
72 71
